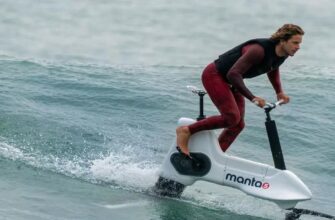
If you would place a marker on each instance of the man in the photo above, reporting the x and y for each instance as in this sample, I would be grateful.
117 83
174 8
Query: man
223 81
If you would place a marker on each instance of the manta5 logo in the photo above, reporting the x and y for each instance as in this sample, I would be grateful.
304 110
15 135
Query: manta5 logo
246 181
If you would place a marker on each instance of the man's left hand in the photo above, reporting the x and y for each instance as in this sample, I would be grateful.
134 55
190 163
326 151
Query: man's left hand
282 96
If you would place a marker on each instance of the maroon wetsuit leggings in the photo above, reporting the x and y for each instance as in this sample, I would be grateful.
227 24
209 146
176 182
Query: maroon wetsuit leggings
230 103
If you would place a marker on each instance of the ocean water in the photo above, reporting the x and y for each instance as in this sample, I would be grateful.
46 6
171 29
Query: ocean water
91 91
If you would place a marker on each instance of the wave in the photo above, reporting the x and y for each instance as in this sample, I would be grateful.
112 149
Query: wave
116 169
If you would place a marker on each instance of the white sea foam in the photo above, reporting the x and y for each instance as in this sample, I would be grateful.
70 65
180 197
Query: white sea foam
121 169
124 205
117 168
10 152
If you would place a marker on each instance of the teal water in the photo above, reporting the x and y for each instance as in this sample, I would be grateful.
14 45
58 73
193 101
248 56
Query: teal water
90 94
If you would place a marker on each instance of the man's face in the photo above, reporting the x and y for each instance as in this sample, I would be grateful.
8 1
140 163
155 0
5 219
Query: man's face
292 45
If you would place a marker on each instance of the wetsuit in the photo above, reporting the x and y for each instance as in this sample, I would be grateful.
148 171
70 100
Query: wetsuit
223 81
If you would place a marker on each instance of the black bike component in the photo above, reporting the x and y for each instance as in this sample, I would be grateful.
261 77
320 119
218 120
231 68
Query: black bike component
198 164
296 213
273 137
167 187
201 105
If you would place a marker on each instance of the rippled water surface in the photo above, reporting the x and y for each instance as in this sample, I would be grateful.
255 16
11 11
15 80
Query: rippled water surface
90 93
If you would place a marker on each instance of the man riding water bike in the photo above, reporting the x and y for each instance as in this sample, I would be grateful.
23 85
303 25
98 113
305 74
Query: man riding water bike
223 81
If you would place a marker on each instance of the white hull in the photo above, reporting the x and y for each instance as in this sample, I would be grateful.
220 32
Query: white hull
260 180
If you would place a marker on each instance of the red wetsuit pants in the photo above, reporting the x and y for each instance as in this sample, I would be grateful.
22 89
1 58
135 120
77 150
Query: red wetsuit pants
230 104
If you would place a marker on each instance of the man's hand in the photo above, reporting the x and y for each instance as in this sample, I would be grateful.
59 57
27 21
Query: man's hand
282 96
260 102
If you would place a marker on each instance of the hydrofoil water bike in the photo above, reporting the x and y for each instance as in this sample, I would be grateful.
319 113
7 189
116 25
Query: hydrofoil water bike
208 162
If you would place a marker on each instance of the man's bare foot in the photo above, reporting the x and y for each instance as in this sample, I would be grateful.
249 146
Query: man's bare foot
183 135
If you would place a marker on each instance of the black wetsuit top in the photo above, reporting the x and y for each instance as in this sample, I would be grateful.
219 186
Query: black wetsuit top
261 60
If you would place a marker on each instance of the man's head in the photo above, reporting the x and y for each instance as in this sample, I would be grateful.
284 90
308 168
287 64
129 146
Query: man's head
289 38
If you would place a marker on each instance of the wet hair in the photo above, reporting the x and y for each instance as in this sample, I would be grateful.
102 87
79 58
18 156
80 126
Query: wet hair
286 32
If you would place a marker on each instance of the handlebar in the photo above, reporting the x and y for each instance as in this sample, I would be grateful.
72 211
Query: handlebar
269 105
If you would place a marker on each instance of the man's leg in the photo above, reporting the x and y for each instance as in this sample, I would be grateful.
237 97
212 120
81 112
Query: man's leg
220 93
228 135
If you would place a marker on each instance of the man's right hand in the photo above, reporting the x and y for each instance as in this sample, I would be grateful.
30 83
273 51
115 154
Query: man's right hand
260 102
